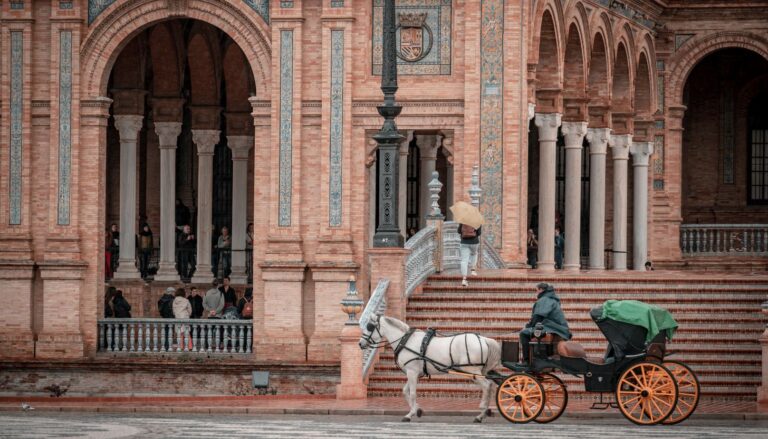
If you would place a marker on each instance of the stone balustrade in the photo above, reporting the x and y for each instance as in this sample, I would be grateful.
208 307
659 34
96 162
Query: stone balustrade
724 239
377 304
175 335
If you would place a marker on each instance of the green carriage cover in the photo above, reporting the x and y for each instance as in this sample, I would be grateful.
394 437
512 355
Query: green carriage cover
651 317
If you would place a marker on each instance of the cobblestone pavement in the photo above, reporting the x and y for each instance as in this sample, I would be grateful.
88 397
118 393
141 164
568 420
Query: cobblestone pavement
107 426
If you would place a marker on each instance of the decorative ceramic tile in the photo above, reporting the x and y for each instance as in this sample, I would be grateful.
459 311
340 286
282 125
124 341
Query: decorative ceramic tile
66 4
337 3
658 185
65 124
17 116
337 127
658 156
261 7
680 39
660 93
491 112
286 127
17 4
423 36
286 3
96 7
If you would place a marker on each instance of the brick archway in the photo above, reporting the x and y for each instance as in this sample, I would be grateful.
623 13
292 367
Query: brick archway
683 63
125 18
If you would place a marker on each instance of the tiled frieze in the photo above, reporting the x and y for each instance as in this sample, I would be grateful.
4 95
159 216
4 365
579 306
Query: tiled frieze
337 128
65 125
16 121
286 128
261 7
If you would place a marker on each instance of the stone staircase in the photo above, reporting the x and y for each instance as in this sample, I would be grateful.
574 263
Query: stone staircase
719 318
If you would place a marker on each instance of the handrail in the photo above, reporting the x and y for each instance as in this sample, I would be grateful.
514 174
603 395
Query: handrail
377 304
489 256
420 263
724 239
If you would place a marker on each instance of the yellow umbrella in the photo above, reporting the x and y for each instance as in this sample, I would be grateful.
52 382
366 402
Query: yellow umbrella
468 214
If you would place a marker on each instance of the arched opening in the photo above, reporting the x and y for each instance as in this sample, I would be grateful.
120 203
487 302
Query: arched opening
599 84
643 94
724 168
181 134
621 97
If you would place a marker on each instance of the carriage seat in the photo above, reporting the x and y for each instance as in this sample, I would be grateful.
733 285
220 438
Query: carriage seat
572 349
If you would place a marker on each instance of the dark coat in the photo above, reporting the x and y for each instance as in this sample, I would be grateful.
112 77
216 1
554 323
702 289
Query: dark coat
475 240
122 307
230 296
547 310
197 306
165 306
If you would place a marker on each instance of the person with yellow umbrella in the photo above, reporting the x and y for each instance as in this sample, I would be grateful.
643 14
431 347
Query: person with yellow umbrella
470 224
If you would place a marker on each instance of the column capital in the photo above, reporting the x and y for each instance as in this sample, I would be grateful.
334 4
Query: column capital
547 123
205 140
574 134
240 146
620 144
641 153
427 144
129 125
531 112
598 140
168 132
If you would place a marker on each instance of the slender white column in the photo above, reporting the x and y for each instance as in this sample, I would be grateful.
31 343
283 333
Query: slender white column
641 153
206 141
167 133
598 147
428 154
620 145
240 146
574 133
402 188
547 125
128 127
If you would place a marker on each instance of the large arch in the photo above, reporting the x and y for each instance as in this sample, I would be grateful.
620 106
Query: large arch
681 65
574 75
621 93
124 19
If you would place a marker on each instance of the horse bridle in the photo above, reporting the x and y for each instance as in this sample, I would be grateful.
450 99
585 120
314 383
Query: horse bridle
370 327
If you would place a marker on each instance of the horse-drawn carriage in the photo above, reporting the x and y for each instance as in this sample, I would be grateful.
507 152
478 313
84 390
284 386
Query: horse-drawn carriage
648 388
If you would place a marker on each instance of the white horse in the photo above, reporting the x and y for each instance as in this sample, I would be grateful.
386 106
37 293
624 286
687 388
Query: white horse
468 353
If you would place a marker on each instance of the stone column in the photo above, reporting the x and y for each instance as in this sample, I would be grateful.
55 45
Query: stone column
574 137
620 144
547 123
129 126
240 146
598 147
641 153
167 132
428 154
206 141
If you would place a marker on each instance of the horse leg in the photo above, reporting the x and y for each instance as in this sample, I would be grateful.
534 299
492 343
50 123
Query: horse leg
485 385
410 395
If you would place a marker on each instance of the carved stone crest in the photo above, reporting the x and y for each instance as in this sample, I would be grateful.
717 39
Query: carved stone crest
415 36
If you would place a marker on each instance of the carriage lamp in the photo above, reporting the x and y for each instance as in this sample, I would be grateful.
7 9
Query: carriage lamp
352 304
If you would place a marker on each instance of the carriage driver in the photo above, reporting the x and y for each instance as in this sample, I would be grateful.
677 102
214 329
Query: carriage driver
548 312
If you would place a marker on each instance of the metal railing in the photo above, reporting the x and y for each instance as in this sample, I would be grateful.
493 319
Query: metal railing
175 335
377 304
420 263
724 239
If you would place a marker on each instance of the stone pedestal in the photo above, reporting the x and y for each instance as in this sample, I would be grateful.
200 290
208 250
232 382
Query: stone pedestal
167 132
128 126
17 339
574 133
389 263
598 148
240 146
762 390
620 145
206 141
61 336
330 281
641 153
283 338
547 125
352 386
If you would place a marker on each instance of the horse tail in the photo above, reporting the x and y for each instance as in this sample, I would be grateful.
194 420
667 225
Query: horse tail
494 355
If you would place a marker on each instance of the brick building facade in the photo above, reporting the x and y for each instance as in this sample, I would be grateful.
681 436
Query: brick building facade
251 111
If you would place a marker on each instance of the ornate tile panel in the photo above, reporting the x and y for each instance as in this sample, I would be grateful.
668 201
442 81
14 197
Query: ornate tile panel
658 156
96 7
286 3
17 116
491 112
425 37
286 128
261 7
337 3
65 124
337 127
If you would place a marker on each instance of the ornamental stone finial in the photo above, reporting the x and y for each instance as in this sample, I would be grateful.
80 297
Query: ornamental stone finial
352 304
434 195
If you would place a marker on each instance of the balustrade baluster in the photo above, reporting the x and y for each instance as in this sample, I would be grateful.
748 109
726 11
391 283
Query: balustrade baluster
147 344
163 337
209 332
248 338
155 343
131 335
240 339
193 334
124 337
111 337
140 337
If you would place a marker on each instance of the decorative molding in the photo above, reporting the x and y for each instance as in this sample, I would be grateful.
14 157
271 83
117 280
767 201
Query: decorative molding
628 11
491 117
65 126
286 128
427 37
681 39
16 122
96 7
337 128
260 6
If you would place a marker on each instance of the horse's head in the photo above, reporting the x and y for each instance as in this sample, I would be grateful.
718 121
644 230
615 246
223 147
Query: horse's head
372 333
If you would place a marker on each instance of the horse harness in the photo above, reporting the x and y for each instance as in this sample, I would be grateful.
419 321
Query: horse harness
429 334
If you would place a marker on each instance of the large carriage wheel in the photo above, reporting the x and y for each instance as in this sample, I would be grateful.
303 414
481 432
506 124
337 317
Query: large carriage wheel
555 398
687 391
646 393
520 398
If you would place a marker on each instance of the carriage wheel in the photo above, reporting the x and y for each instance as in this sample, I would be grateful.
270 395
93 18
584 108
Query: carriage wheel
646 393
555 400
520 398
687 392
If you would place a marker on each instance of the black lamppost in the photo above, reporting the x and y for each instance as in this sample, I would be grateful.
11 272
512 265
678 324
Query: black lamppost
388 139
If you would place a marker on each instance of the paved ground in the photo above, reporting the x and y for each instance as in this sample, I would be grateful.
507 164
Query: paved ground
107 426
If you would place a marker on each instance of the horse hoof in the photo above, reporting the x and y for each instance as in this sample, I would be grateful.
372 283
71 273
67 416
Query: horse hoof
488 412
419 412
478 420
406 419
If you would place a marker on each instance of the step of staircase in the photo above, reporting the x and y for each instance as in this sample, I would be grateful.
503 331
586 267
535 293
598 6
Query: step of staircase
719 317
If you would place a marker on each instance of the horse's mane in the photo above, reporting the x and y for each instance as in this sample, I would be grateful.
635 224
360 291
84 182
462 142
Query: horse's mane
396 323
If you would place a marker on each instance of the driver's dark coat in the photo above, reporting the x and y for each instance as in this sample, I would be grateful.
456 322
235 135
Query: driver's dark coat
547 310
